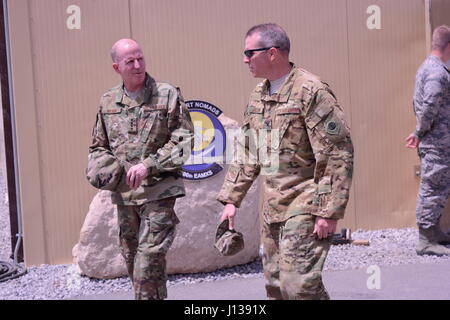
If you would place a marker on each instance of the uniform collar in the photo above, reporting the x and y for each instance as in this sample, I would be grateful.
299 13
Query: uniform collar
438 61
144 97
283 94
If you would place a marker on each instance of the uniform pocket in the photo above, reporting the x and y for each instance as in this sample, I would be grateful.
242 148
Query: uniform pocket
160 110
300 225
158 233
291 128
157 112
160 221
322 196
233 174
298 244
154 123
324 185
255 117
116 126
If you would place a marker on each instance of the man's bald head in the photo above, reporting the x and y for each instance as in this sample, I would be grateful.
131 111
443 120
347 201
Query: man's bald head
122 46
129 63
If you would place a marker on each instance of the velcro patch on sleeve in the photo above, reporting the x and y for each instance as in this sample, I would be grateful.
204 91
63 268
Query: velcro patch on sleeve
155 108
112 111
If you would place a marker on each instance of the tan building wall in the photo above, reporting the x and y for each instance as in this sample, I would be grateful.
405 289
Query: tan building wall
60 73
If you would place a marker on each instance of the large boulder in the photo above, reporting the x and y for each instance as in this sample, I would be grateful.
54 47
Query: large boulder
193 249
98 254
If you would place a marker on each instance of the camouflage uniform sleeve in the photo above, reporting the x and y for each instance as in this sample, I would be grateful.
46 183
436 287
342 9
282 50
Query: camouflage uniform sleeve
100 142
427 111
177 150
102 169
330 140
242 172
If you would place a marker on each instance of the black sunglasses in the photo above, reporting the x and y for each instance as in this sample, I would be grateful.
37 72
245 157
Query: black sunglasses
249 53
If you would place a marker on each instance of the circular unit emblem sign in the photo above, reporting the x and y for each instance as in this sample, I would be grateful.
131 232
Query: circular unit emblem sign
209 139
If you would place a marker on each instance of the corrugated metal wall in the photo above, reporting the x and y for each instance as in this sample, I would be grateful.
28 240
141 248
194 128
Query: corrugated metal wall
59 75
383 64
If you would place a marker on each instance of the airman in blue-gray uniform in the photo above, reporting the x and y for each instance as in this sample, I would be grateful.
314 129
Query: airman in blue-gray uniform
432 138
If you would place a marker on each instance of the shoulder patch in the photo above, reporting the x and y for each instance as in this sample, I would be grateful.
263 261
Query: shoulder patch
165 88
332 127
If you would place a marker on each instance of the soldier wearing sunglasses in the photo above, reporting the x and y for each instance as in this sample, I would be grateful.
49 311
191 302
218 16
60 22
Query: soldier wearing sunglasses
308 192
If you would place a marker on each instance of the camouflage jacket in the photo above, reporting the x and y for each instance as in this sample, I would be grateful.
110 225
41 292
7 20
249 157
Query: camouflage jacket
315 151
152 129
432 104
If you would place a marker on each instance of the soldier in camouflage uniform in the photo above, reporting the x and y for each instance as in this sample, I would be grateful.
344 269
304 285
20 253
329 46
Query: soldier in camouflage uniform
432 138
306 195
147 127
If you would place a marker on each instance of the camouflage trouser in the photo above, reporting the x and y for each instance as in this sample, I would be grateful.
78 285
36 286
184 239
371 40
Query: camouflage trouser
146 234
293 259
434 187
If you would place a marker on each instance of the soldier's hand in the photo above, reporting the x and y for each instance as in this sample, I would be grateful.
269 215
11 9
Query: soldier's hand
229 212
412 141
135 175
324 228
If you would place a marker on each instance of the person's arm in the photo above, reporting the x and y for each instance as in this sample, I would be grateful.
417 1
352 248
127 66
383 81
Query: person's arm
427 111
104 170
100 142
333 149
240 176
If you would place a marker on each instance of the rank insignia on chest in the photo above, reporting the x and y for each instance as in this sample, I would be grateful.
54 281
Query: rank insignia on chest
132 125
267 124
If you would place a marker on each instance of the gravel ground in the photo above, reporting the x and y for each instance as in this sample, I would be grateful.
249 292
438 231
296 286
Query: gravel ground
45 282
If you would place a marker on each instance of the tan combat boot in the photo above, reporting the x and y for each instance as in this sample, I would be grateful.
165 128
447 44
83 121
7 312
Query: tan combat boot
441 237
428 243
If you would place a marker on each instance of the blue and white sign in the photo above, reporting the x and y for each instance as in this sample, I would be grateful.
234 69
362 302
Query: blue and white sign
209 141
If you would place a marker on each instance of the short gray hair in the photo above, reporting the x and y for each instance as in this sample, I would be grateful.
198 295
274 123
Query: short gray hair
441 38
271 35
114 55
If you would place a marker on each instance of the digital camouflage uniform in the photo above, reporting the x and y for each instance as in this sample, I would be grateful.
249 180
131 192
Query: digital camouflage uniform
313 179
155 128
432 108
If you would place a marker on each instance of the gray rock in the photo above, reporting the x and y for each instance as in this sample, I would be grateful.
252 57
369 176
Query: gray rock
97 253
